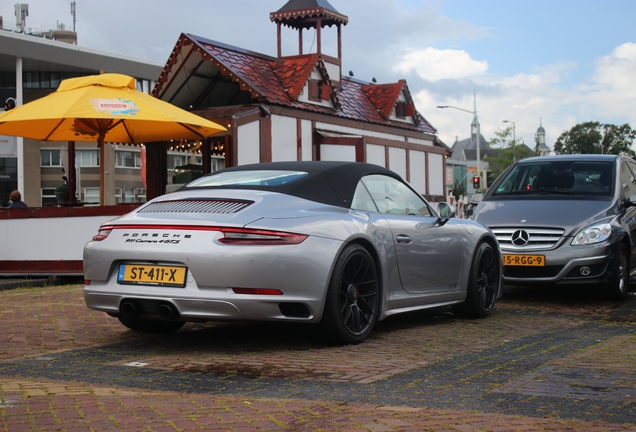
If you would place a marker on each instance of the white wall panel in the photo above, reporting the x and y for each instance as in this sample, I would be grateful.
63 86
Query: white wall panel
307 136
375 155
417 170
331 152
397 161
284 138
248 145
435 174
48 239
333 70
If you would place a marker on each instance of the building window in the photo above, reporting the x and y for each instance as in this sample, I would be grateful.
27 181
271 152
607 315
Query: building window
176 160
91 195
9 166
117 195
315 90
45 80
48 197
50 158
87 158
55 80
141 195
42 80
129 195
127 159
218 164
404 110
143 85
31 80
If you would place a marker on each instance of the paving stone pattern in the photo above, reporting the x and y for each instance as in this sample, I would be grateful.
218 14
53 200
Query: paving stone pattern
545 360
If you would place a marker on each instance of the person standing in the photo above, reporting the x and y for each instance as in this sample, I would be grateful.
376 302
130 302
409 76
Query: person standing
16 200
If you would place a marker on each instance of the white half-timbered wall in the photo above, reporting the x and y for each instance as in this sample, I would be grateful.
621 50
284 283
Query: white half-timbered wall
248 136
284 139
422 168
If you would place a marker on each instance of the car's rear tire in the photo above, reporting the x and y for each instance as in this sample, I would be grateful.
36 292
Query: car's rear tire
353 296
618 286
483 283
149 325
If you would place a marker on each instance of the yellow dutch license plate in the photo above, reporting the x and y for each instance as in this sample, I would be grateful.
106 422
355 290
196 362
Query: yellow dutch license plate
524 260
145 274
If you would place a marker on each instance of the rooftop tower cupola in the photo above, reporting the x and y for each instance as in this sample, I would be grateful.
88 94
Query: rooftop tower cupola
316 14
540 135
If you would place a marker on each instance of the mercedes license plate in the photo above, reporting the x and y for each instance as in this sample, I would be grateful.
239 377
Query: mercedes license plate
524 260
145 274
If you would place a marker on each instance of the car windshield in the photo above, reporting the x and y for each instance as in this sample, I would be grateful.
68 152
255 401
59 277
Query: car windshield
248 178
558 177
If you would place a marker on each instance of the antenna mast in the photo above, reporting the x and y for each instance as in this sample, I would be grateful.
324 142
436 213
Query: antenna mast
73 13
21 12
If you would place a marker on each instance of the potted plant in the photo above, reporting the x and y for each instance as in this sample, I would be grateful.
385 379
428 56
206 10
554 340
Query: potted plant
61 193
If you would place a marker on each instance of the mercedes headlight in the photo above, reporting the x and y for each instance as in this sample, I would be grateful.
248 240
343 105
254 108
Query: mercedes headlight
592 234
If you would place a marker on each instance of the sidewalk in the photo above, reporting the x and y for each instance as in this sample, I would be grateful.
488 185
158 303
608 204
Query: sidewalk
540 362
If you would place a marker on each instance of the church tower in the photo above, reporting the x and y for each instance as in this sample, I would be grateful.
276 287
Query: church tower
539 138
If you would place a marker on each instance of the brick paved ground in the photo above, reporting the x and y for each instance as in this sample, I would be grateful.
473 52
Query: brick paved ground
545 360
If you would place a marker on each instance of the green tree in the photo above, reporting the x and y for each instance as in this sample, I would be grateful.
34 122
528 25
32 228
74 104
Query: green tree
460 188
593 138
502 139
506 154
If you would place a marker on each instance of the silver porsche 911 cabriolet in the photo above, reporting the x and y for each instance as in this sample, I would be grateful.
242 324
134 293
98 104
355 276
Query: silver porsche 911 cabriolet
341 244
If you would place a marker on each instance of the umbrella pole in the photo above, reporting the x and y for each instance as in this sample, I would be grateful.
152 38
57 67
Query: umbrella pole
100 144
70 175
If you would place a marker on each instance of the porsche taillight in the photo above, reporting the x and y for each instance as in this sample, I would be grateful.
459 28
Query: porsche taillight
103 232
245 236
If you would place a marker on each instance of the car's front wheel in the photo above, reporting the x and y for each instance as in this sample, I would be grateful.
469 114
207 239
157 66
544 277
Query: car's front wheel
353 296
483 283
149 325
619 279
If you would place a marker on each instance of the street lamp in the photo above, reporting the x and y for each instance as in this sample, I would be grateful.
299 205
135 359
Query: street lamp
514 139
476 124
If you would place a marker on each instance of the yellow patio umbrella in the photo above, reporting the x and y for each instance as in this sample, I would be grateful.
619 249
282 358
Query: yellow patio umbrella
104 108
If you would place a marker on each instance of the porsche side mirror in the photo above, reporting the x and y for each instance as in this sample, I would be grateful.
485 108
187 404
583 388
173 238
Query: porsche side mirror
444 209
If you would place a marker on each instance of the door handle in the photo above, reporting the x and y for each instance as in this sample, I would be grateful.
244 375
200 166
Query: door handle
403 238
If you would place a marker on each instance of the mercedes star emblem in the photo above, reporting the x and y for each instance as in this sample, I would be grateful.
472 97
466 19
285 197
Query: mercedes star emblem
520 238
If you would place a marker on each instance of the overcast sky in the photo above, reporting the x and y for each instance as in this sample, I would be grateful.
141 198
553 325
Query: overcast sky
562 61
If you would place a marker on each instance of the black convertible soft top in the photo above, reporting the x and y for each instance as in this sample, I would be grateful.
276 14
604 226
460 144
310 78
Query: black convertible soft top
326 182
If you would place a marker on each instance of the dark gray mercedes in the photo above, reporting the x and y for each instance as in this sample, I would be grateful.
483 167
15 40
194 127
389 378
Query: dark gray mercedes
567 219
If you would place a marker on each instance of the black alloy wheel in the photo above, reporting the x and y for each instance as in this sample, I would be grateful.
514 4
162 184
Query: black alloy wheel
353 298
484 282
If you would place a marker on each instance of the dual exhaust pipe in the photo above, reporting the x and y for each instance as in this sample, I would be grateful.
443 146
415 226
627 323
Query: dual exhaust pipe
166 311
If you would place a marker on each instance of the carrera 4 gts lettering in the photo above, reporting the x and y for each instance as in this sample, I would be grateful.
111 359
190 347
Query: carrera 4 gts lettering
152 241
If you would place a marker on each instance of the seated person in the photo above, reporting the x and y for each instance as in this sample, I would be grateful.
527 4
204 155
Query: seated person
16 200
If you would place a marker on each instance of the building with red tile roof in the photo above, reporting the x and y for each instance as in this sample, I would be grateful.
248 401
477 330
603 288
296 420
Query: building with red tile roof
301 107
